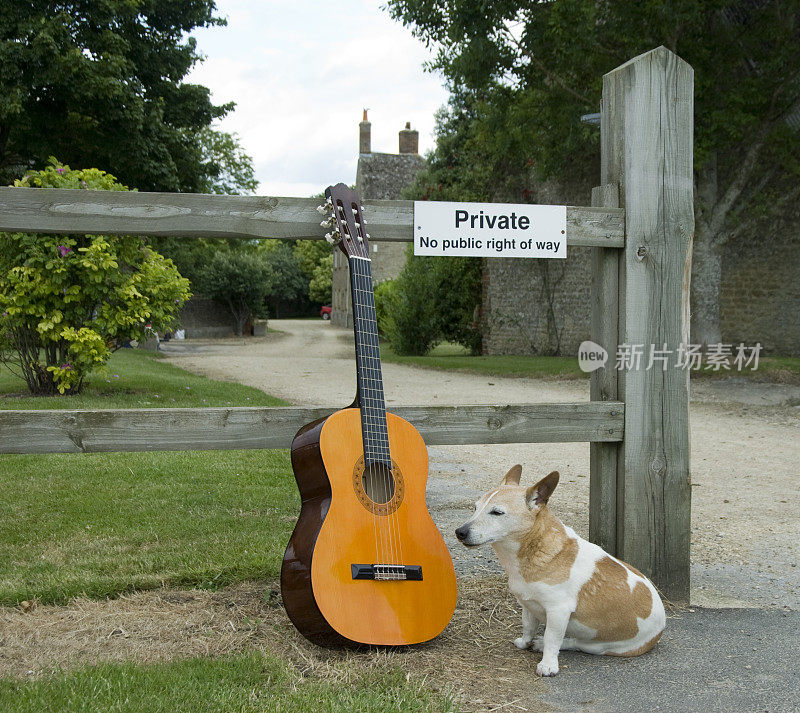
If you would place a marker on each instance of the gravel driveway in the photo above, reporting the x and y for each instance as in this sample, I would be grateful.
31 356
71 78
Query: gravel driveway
745 529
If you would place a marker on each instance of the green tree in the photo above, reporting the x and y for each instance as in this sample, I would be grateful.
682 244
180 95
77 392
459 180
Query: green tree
239 280
321 283
101 84
523 73
288 282
67 301
191 255
227 168
316 263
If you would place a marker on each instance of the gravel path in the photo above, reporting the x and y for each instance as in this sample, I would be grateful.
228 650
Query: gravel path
745 529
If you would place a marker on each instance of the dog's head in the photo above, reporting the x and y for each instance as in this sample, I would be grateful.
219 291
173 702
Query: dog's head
507 510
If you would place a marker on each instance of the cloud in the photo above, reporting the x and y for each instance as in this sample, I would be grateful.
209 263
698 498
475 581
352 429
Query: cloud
300 73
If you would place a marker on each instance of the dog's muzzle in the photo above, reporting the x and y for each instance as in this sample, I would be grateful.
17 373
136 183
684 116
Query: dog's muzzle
462 533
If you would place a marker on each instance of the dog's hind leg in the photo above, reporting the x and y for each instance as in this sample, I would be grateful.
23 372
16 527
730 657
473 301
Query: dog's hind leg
530 625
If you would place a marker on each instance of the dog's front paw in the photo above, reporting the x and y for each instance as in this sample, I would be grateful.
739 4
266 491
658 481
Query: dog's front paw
523 642
547 667
538 643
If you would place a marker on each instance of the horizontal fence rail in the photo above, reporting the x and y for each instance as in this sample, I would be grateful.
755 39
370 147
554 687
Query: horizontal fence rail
177 429
194 215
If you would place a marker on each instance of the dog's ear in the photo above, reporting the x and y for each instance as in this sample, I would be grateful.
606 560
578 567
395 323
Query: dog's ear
513 475
540 493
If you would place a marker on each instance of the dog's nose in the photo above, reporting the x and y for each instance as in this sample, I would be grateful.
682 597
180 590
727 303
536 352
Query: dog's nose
461 532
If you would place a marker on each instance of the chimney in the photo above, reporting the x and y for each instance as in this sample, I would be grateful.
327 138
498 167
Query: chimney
409 139
364 135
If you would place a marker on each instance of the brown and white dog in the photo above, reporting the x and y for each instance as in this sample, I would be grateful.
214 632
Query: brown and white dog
588 600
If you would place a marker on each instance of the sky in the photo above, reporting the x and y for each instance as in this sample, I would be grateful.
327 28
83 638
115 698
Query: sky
301 73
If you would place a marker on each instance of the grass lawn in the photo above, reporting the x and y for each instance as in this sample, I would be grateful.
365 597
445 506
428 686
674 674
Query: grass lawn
101 524
244 683
104 523
136 378
454 357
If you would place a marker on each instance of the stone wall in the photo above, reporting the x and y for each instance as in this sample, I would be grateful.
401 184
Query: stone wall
539 306
760 300
205 319
536 306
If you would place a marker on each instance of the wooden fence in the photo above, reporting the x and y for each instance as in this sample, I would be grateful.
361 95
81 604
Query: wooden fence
640 226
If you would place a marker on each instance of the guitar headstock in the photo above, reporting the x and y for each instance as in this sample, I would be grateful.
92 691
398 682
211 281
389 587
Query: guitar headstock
346 220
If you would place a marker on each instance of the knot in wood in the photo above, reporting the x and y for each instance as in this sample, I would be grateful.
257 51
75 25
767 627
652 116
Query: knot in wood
658 466
641 251
493 423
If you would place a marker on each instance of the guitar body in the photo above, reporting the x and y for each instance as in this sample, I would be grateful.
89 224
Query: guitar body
340 526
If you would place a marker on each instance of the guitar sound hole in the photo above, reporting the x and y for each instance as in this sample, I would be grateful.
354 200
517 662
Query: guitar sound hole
378 482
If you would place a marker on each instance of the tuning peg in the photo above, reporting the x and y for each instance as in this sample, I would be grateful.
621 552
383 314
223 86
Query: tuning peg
330 238
367 236
321 209
328 222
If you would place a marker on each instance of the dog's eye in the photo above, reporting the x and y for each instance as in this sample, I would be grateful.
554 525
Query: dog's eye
495 511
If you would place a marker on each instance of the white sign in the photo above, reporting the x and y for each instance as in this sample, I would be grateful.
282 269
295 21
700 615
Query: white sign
490 229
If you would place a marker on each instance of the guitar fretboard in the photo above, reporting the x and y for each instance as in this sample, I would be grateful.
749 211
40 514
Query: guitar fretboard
368 363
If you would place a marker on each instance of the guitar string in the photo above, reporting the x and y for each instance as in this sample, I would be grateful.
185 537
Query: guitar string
380 430
376 411
375 435
370 401
343 222
373 409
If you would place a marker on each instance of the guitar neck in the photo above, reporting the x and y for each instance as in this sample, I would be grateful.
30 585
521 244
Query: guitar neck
368 362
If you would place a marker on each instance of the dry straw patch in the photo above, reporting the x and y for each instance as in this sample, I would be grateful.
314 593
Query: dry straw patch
474 659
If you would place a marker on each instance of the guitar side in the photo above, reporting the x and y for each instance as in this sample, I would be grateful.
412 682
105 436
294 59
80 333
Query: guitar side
315 497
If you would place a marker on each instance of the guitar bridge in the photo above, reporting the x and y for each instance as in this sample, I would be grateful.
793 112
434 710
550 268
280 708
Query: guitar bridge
385 572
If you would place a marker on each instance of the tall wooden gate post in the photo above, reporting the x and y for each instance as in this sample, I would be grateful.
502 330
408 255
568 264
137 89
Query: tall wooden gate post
647 151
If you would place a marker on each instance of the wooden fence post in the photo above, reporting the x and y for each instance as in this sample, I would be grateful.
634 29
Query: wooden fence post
647 142
604 457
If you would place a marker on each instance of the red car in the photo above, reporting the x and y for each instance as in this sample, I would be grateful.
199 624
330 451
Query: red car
325 312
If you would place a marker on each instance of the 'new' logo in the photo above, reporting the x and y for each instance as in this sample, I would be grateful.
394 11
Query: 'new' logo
591 356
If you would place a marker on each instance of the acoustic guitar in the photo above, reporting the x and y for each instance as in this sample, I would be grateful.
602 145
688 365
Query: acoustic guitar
365 563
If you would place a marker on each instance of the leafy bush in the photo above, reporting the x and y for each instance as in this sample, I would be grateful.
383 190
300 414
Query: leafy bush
239 280
433 299
67 301
386 297
413 326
